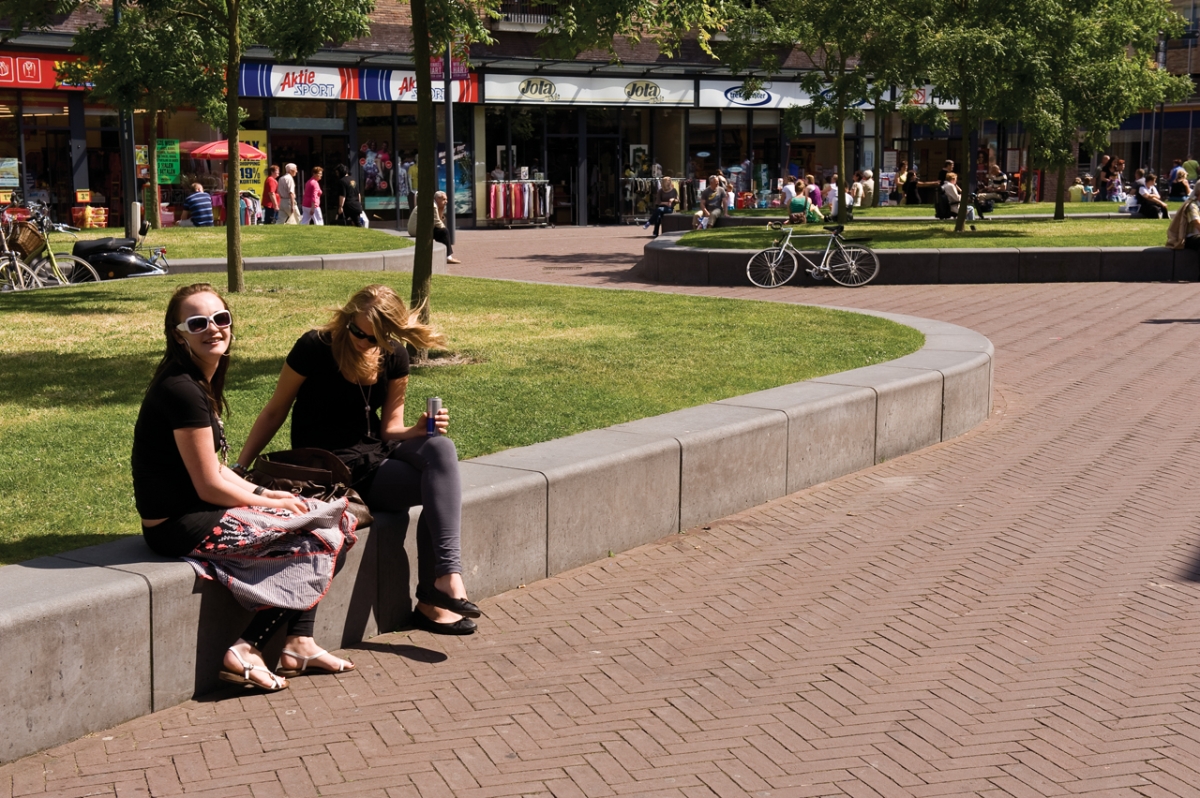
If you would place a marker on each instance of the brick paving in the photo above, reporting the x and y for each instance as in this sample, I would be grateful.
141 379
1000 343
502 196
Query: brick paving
1011 613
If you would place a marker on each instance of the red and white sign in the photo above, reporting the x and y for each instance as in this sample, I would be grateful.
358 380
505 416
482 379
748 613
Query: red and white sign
314 83
31 71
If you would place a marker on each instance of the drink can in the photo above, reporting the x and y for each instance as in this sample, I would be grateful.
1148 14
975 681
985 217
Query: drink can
432 405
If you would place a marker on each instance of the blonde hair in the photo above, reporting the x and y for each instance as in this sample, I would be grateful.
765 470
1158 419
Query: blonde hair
391 321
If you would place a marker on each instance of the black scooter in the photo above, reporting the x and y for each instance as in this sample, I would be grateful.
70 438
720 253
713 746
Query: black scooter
115 258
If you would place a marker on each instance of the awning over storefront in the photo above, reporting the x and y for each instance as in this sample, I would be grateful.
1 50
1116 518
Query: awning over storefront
345 83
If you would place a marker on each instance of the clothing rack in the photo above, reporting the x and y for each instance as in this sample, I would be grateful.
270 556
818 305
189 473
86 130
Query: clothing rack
520 202
637 198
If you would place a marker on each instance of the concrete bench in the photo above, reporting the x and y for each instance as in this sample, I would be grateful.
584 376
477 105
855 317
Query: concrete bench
97 636
665 261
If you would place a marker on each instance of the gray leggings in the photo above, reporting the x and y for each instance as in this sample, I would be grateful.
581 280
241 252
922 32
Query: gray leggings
425 471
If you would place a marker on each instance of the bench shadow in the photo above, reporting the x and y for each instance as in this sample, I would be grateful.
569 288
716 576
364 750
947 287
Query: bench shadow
1171 321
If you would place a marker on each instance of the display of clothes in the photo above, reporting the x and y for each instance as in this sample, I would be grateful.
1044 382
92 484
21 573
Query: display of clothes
520 202
637 197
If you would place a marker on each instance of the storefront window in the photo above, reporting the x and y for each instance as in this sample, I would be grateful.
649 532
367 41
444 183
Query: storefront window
635 129
668 140
10 153
734 153
376 164
702 143
766 150
48 174
463 158
308 115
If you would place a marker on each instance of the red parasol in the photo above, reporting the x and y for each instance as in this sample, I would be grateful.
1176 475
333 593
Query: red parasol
219 151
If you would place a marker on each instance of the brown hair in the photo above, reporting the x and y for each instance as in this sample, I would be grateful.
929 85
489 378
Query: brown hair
317 171
392 322
178 354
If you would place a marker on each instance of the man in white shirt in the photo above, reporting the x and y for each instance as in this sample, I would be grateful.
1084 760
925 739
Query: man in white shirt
1150 204
289 213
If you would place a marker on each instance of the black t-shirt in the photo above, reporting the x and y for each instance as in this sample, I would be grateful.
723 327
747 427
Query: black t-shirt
162 487
329 410
349 188
912 193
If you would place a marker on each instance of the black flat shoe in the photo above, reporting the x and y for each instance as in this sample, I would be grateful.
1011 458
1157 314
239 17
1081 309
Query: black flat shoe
463 626
436 598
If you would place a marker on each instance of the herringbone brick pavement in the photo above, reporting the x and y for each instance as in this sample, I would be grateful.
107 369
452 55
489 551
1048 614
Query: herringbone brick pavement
1011 613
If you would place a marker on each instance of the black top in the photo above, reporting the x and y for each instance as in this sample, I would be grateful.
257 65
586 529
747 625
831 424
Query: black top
162 487
349 188
912 194
329 411
667 196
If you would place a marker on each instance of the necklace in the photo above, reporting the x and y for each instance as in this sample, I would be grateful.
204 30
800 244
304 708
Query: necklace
366 397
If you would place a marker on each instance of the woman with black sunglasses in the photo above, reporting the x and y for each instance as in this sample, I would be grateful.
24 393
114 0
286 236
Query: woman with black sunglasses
345 384
276 552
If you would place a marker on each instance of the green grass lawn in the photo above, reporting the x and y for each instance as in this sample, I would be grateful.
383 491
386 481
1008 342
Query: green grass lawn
1003 209
935 234
551 361
258 241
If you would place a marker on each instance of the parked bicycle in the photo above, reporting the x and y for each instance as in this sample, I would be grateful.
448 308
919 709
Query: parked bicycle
15 274
32 237
846 263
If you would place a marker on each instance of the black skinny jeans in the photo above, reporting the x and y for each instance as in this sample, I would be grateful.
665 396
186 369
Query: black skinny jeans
657 214
425 471
441 236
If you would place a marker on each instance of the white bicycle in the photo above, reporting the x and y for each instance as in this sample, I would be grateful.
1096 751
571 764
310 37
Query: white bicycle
849 264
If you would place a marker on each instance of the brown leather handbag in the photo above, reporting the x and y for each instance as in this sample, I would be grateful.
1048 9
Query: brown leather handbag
313 473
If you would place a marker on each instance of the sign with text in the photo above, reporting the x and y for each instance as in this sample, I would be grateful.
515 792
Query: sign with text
252 174
598 91
458 68
167 156
348 83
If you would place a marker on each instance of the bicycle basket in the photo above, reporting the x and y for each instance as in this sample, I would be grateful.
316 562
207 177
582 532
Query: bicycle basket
26 238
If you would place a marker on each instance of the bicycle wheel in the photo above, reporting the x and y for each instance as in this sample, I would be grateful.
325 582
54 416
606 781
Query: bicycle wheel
771 268
74 270
15 275
853 265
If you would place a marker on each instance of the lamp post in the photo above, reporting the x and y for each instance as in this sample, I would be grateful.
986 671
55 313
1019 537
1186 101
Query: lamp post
128 154
447 83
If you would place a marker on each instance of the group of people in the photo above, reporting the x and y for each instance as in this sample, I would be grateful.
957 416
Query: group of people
345 384
280 193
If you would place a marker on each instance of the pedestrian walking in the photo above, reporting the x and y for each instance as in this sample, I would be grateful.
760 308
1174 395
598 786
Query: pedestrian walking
312 199
289 210
270 200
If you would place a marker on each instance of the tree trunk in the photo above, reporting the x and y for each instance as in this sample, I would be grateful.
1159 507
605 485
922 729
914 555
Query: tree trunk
153 209
960 224
877 200
1060 193
426 163
233 221
843 184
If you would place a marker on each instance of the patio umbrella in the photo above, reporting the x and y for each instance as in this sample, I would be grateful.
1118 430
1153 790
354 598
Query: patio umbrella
219 151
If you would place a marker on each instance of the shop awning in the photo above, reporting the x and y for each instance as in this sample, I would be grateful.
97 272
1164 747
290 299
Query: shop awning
219 151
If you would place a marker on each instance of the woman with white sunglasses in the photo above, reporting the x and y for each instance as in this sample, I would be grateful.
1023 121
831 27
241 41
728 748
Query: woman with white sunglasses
275 551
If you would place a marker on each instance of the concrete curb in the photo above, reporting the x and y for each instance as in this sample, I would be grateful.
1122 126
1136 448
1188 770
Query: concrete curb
390 260
664 261
101 635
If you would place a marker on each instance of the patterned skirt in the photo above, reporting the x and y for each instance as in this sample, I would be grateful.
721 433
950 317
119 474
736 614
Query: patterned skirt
275 558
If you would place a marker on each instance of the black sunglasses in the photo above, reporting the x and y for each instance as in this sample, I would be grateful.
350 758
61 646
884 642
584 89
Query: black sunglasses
198 324
360 335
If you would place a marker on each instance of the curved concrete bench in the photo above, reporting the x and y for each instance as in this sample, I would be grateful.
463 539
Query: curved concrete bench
391 260
98 636
665 261
682 222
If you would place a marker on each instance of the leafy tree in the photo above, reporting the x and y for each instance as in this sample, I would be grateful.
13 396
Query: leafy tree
847 47
971 52
1097 69
160 65
291 30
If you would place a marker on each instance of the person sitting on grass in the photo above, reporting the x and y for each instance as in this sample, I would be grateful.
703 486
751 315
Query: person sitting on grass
1150 204
954 196
198 208
799 207
1075 192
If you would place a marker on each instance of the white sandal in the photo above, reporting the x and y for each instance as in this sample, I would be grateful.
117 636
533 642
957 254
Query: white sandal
304 669
244 680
